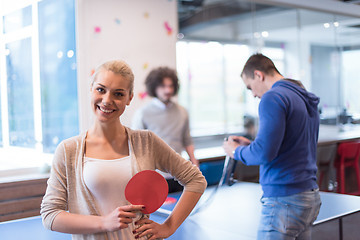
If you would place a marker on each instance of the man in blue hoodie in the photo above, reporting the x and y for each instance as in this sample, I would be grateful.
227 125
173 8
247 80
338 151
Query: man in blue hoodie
285 149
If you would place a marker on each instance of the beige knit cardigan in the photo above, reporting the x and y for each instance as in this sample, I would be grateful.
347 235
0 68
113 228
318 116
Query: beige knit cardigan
66 190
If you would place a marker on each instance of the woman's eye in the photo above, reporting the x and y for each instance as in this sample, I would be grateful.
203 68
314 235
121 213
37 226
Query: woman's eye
100 89
119 94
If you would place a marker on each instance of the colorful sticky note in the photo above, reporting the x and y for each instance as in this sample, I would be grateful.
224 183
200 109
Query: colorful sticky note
117 21
92 72
146 65
146 15
168 28
142 95
97 29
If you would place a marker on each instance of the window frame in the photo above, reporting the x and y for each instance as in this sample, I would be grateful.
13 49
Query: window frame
33 160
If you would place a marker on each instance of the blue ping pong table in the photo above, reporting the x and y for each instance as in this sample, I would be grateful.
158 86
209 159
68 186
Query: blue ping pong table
232 213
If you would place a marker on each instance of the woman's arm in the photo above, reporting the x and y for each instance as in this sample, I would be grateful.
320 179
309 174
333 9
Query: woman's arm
55 203
182 209
72 223
167 160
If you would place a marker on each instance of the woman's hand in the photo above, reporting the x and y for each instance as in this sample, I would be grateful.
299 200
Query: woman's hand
152 230
120 217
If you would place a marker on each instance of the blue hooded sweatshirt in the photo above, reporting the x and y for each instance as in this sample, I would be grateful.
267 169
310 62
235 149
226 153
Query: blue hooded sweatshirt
285 146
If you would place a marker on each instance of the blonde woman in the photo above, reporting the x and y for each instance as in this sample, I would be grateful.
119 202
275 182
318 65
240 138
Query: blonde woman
85 193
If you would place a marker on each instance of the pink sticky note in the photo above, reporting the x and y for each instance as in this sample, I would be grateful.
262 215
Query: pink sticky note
168 28
142 95
97 29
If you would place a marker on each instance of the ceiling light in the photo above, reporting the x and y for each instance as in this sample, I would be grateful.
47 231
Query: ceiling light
70 53
265 34
180 36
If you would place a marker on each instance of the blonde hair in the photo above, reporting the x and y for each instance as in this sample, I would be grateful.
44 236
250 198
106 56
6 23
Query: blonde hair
118 67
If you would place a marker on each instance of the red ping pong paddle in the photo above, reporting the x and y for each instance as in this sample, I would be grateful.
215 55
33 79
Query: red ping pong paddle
147 188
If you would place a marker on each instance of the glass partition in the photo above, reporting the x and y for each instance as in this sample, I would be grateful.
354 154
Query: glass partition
318 48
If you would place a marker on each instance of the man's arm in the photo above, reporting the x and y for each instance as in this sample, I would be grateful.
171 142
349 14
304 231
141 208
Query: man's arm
272 125
232 143
190 151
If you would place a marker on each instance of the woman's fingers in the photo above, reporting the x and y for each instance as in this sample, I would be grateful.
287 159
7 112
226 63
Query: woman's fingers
130 208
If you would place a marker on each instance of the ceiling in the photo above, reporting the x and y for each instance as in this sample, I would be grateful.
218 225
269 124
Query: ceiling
238 20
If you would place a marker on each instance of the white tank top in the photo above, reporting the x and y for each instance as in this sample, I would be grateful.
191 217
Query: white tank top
106 180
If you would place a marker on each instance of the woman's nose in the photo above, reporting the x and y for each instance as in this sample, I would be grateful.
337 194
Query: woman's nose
107 100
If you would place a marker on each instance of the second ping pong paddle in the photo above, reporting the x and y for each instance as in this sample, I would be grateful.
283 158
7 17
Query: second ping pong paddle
148 188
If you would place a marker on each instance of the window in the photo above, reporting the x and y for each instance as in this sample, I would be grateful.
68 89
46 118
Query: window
350 75
38 84
211 87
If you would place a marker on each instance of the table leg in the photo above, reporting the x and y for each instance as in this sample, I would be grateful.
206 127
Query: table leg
340 229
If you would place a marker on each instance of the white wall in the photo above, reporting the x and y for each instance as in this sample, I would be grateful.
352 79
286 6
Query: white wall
133 31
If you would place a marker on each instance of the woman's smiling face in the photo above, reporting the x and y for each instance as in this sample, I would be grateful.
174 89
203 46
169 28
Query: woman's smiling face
110 94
